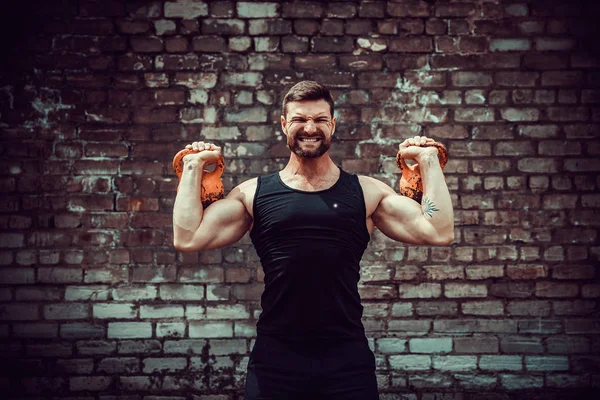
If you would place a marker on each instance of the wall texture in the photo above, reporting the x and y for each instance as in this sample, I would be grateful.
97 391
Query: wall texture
97 96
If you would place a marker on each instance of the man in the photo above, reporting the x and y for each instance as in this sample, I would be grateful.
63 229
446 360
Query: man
310 224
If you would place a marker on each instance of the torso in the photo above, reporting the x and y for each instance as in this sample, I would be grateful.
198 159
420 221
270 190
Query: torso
371 193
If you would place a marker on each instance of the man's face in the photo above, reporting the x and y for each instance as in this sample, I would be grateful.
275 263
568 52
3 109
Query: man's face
308 126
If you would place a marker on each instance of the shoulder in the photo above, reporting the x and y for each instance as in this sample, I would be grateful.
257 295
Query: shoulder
246 188
244 193
374 185
374 191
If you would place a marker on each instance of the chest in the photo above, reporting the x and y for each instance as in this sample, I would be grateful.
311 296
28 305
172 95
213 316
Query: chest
305 185
305 213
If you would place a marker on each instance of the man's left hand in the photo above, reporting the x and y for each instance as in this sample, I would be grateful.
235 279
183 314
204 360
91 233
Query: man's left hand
411 148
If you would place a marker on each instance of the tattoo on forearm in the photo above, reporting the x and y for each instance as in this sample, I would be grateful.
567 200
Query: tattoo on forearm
428 207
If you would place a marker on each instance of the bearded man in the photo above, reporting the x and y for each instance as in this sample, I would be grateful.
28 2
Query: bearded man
310 224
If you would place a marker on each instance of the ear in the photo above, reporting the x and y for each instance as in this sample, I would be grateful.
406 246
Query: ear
333 121
283 128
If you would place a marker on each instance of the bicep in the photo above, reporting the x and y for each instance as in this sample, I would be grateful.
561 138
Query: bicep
401 218
223 223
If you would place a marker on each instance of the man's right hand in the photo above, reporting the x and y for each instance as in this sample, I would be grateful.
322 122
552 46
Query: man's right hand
207 153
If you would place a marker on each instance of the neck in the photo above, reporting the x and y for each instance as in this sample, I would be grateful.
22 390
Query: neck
310 167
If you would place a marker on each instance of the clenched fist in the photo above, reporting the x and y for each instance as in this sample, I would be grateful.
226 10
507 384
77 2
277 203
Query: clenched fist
416 147
203 153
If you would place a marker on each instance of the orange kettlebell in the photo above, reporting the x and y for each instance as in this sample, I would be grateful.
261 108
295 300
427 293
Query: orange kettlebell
411 183
212 187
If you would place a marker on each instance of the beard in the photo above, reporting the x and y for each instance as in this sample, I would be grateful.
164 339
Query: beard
308 149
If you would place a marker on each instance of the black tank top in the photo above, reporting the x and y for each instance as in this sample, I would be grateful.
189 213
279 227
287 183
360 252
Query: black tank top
310 245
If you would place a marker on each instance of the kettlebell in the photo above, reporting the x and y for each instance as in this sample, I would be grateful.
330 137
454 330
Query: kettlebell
411 182
211 186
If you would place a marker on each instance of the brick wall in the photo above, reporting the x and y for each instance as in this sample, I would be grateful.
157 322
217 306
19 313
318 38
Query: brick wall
97 96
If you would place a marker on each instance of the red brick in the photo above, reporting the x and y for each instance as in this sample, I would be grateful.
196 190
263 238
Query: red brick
332 44
314 61
452 61
528 308
514 148
502 218
307 10
209 44
559 148
358 27
512 289
377 79
484 271
583 165
409 27
492 132
470 148
458 27
108 115
469 79
560 201
490 166
411 45
574 307
413 8
545 61
584 131
133 27
146 44
537 165
371 10
499 61
573 271
447 132
513 79
176 44
445 307
406 273
475 344
568 113
554 44
556 289
361 63
493 307
106 150
141 168
222 9
155 115
472 44
590 290
443 272
562 78
387 27
446 44
584 218
574 235
462 290
310 27
455 10
527 271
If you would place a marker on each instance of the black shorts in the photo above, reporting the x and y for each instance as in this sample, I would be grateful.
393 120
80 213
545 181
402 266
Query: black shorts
279 370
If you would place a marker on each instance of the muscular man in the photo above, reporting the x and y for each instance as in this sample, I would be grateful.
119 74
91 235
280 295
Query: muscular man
310 224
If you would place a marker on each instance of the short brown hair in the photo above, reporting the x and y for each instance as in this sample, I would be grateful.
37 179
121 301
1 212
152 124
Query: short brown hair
307 90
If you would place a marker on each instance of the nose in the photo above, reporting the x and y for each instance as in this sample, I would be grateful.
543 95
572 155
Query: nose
310 126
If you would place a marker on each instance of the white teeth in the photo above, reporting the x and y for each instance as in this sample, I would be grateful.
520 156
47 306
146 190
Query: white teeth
308 140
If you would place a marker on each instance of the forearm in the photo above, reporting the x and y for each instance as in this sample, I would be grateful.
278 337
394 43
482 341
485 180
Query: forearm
187 210
436 204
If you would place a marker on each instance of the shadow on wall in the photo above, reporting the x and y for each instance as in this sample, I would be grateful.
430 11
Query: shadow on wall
21 23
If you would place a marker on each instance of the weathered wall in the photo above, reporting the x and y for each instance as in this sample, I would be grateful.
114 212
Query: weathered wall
97 96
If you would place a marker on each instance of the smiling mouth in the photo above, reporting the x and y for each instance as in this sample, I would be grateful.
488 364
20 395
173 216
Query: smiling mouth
309 140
